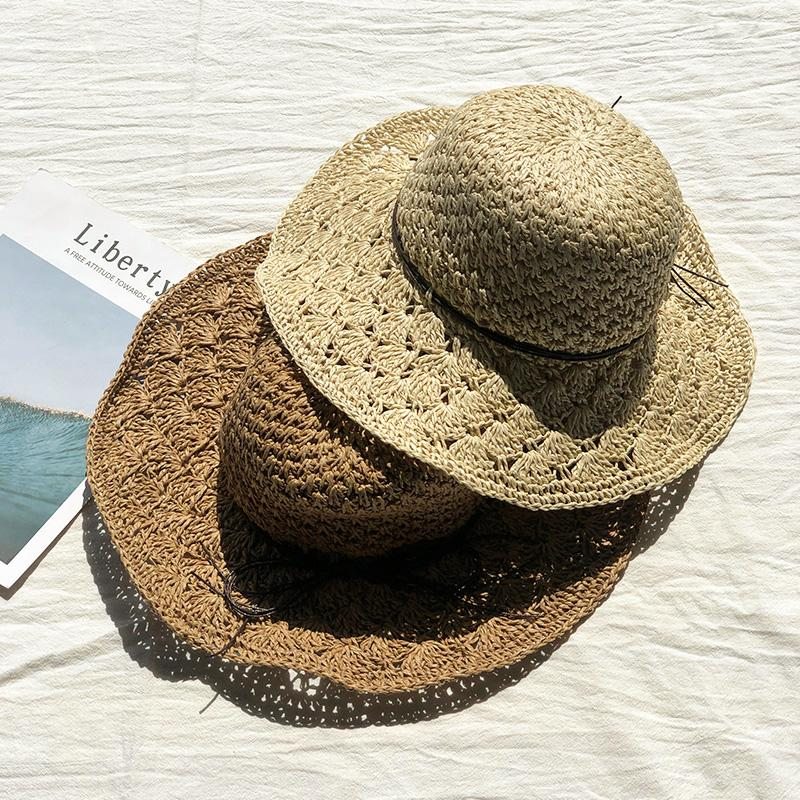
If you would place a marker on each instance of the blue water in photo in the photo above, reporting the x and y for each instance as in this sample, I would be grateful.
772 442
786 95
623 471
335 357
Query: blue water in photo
42 459
60 344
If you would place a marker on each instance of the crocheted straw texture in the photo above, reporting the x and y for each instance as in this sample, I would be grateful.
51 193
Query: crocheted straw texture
546 216
505 585
306 474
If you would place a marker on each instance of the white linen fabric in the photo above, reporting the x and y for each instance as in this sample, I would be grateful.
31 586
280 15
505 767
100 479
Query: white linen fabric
200 120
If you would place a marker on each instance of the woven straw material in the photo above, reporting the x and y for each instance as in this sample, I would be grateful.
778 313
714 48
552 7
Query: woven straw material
507 584
306 474
541 214
545 216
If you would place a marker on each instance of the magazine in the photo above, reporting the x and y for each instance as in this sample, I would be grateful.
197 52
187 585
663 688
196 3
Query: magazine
76 278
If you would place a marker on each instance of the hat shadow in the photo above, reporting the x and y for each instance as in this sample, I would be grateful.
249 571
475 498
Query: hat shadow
299 699
499 563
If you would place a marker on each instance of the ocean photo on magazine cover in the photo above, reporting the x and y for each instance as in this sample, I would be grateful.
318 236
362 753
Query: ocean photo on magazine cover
60 343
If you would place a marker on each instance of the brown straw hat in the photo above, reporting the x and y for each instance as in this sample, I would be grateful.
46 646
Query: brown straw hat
513 292
253 516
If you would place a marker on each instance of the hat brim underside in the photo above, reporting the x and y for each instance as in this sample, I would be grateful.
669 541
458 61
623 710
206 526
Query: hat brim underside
153 466
339 299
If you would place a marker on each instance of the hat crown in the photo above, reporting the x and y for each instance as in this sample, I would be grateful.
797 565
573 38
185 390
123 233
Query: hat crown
305 473
545 216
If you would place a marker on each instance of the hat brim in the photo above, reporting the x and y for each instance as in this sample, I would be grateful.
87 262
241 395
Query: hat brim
508 426
153 466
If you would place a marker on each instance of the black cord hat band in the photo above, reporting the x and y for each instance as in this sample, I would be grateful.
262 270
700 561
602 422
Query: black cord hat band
423 286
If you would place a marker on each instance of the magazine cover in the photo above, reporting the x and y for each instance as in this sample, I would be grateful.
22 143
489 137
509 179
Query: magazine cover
76 278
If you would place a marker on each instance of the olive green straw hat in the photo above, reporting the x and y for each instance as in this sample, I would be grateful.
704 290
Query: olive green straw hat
514 292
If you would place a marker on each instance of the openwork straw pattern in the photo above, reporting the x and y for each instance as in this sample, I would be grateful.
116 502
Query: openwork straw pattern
548 217
509 583
308 475
545 216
